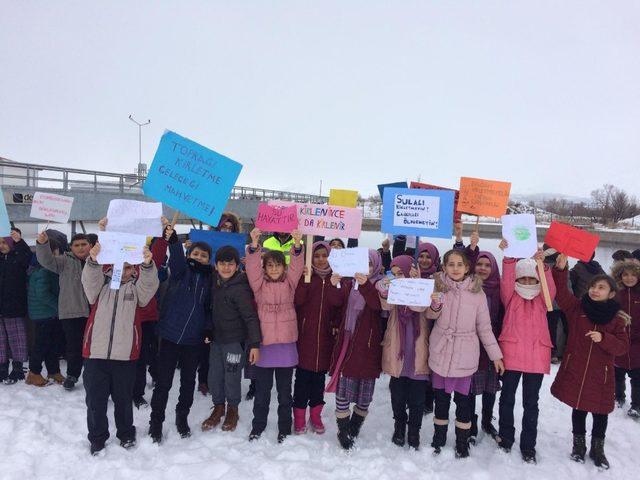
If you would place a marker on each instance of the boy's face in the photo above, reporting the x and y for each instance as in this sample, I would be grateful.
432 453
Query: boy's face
601 292
200 256
80 248
629 280
226 270
274 270
4 246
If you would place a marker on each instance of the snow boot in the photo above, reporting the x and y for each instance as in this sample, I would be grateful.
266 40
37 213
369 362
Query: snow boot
128 443
357 418
596 453
528 456
462 442
231 419
36 380
96 448
299 421
16 374
212 422
183 425
579 448
155 431
70 383
255 434
413 437
473 433
399 433
57 378
283 434
344 437
439 435
252 391
315 419
487 425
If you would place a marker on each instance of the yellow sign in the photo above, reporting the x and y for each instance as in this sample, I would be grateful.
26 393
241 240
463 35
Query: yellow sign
343 198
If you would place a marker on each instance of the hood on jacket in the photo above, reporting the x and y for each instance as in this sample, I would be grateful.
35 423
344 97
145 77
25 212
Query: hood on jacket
627 265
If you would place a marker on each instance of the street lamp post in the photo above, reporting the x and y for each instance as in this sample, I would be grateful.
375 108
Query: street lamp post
140 125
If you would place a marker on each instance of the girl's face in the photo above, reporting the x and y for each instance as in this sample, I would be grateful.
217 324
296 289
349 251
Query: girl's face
274 270
321 259
397 272
527 280
629 280
4 246
483 268
226 227
455 268
601 292
336 244
200 256
425 261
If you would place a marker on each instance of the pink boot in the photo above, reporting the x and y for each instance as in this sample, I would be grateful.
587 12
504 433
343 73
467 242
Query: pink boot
315 419
299 421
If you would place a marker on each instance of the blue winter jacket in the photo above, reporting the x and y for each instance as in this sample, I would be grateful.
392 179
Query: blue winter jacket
185 306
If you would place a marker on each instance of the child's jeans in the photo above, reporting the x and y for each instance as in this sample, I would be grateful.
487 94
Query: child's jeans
531 383
225 372
48 336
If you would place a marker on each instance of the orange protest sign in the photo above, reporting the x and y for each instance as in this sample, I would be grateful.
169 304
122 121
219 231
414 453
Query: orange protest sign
343 198
483 197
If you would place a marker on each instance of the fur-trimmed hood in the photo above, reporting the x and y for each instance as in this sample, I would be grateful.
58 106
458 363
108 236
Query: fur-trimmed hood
443 284
629 264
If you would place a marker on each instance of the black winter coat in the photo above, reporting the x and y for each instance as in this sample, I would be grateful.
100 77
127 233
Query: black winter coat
13 280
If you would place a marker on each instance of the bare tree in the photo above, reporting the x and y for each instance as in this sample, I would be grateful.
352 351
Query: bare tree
613 204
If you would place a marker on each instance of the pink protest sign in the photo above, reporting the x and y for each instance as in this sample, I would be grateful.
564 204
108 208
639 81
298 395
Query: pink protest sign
277 219
327 220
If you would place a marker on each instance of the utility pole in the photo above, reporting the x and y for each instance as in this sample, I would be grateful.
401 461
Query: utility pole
140 125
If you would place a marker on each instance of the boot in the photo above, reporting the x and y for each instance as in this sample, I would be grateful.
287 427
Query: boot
214 419
155 431
439 437
344 438
140 402
462 442
579 448
16 374
357 418
634 412
399 433
231 419
282 435
70 383
315 419
413 437
252 391
473 433
528 456
299 421
487 425
596 453
4 371
254 434
35 379
183 425
57 378
96 448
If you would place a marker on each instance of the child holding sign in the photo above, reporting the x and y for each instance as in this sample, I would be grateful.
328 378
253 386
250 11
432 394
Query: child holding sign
112 345
459 307
585 379
405 352
357 355
526 345
15 256
274 285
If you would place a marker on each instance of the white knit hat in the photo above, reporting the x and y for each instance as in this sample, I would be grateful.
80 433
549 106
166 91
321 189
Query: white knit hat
526 267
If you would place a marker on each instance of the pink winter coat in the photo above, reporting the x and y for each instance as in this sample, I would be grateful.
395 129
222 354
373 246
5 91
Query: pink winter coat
525 341
275 300
454 348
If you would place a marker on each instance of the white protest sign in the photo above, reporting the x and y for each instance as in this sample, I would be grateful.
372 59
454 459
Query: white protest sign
346 262
116 276
132 216
117 248
413 292
520 233
51 207
417 210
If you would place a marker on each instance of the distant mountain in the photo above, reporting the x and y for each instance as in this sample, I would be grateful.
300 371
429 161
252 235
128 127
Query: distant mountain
541 197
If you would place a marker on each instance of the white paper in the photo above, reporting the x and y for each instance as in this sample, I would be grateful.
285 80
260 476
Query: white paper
416 211
346 262
51 207
116 277
413 292
132 216
117 248
520 233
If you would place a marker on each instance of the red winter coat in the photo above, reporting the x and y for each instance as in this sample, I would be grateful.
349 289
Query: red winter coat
629 299
363 359
316 320
585 379
149 313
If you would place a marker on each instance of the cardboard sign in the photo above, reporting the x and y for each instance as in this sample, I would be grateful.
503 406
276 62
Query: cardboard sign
219 239
132 216
51 207
191 178
346 262
483 197
412 292
277 219
520 233
382 187
427 213
343 198
457 216
572 241
5 225
117 248
326 220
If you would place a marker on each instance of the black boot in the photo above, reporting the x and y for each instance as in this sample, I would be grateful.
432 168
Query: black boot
473 432
16 374
413 437
462 442
487 425
357 418
439 437
344 438
597 453
155 431
528 456
399 433
183 425
579 448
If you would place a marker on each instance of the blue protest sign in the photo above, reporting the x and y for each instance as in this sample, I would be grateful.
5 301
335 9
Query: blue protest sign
191 178
391 185
425 213
5 226
219 239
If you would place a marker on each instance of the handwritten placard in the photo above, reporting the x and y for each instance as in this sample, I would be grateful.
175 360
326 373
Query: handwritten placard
346 262
520 233
457 216
483 197
5 225
117 248
277 219
326 220
191 178
343 198
51 207
412 292
216 240
132 216
572 241
426 213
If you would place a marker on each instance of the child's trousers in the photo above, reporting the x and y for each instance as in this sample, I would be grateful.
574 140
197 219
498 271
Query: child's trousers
48 336
579 421
13 339
621 380
408 393
443 402
264 383
531 383
225 373
308 390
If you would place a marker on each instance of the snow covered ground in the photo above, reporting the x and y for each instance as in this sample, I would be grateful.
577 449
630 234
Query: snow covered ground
43 436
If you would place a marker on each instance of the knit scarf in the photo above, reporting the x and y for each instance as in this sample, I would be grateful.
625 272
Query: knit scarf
599 313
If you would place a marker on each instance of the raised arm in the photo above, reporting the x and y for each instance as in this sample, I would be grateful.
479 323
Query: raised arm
159 251
147 284
564 298
255 274
47 259
92 280
296 267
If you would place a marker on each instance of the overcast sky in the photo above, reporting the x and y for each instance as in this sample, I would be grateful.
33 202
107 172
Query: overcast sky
545 94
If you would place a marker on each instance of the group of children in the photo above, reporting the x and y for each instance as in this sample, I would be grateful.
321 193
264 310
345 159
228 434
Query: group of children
481 332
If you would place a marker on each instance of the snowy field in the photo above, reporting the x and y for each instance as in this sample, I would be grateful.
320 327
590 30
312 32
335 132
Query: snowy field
43 436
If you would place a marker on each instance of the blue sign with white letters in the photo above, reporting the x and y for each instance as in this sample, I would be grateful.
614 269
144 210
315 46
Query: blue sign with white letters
424 213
